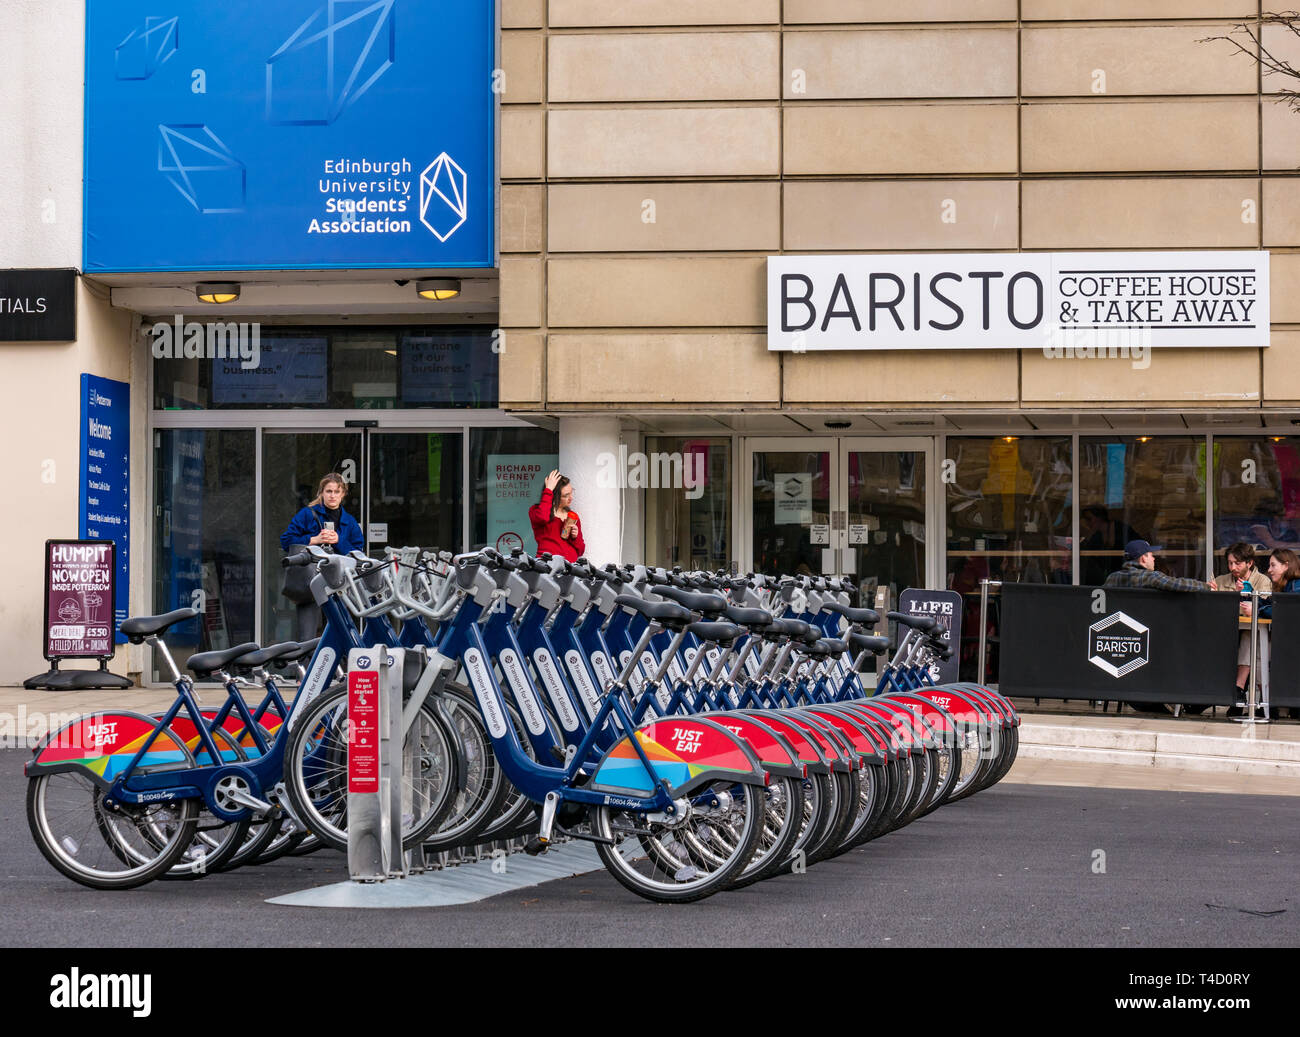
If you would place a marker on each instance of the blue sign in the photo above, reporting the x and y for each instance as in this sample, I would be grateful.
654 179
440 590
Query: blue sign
105 483
304 134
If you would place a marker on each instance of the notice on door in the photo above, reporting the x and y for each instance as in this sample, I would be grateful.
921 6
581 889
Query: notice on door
793 495
820 533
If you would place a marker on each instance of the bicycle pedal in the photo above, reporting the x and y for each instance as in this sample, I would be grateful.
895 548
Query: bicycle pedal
535 846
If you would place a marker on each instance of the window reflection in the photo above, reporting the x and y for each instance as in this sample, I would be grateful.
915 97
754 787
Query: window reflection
688 525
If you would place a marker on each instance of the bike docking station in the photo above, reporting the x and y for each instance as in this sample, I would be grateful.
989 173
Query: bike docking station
374 741
375 758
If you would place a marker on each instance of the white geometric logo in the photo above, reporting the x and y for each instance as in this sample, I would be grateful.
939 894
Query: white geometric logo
444 197
1119 644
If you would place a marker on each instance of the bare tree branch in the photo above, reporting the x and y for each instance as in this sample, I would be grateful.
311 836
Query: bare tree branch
1270 63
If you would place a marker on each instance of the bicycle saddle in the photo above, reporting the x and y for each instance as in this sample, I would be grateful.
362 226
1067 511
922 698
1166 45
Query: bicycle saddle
869 643
707 604
660 611
786 628
265 655
868 616
752 618
721 632
304 651
205 663
923 623
138 628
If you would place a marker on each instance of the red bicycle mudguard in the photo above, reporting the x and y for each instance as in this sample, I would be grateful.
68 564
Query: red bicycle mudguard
103 744
686 752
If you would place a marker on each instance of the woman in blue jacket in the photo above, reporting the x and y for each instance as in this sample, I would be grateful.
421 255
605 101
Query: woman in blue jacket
325 523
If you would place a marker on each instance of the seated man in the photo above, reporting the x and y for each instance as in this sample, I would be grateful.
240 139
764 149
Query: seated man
1139 570
1242 575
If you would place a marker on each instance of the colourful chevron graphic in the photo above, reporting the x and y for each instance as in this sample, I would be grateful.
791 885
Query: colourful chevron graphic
695 749
105 743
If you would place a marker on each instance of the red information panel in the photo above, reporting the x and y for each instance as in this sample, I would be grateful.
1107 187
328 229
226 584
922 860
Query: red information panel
78 599
363 737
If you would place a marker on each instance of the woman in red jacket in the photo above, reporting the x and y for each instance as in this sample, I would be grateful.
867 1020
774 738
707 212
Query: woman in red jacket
555 524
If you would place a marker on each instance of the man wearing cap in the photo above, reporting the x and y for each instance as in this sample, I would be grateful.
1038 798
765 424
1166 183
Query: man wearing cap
1139 570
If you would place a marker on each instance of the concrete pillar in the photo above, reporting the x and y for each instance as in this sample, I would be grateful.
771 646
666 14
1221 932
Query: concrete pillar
583 440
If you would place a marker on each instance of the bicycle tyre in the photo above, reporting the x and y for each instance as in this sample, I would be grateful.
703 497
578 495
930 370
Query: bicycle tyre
316 773
688 883
783 800
62 851
486 790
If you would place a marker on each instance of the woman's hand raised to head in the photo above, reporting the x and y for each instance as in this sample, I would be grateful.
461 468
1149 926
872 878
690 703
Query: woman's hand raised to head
552 480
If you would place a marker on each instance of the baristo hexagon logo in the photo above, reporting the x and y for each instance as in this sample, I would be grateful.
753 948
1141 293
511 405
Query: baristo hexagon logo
1119 644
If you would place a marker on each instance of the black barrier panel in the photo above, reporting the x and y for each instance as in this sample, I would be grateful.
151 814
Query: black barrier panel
1284 644
1128 645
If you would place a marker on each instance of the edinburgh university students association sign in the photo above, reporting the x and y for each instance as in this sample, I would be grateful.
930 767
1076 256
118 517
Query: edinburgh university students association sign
300 134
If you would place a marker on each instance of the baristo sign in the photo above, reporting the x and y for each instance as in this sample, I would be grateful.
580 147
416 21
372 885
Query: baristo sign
1016 300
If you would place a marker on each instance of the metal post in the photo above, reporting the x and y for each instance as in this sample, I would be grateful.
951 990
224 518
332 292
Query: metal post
984 612
1253 693
374 740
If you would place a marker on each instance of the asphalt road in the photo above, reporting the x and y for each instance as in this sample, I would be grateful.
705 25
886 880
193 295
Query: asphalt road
1016 865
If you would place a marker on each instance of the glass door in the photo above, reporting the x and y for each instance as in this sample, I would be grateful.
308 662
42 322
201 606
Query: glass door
293 464
414 494
883 536
794 488
404 488
859 508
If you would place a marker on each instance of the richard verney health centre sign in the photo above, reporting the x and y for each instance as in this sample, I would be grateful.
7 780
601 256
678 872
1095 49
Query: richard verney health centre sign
302 134
1015 300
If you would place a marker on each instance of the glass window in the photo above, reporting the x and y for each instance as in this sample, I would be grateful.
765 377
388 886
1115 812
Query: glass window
1008 508
249 366
1008 518
1257 491
1141 488
204 536
509 467
687 516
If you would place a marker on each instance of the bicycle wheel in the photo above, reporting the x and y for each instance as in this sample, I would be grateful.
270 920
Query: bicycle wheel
486 790
695 855
818 793
216 841
900 782
85 840
309 844
261 834
782 822
844 807
870 808
287 839
317 780
923 777
972 765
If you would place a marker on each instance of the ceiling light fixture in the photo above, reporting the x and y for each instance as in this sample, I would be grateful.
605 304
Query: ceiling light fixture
438 289
217 291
